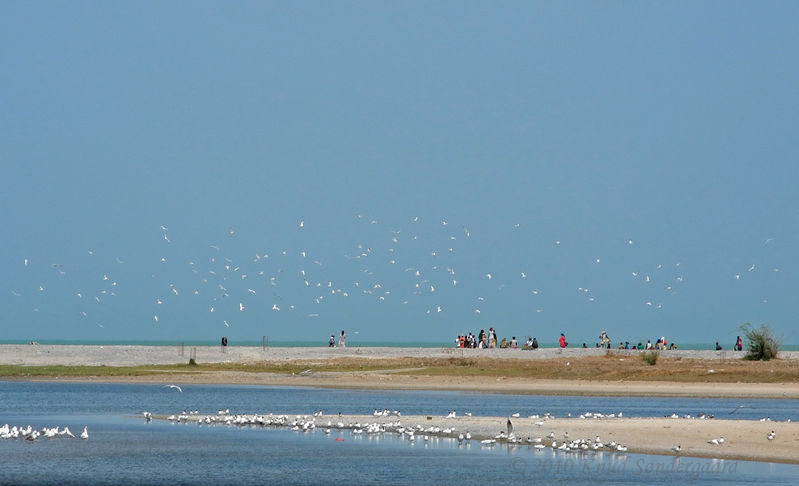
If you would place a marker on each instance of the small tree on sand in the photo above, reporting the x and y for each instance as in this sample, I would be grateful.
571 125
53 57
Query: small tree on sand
762 345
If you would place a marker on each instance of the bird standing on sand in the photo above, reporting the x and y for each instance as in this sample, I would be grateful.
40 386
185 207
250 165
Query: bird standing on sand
676 449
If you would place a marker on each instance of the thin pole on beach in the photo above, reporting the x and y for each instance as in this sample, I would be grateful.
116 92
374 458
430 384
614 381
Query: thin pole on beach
180 353
265 342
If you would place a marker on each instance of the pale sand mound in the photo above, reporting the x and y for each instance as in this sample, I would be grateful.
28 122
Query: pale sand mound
743 439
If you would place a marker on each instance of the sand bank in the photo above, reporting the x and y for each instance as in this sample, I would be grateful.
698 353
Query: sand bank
743 439
378 379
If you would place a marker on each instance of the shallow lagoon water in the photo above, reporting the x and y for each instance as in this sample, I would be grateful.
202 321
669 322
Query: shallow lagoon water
123 449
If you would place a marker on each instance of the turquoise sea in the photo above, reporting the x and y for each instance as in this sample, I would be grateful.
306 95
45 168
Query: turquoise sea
125 449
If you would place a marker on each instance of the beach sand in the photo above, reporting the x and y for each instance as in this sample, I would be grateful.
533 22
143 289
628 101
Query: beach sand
657 435
123 355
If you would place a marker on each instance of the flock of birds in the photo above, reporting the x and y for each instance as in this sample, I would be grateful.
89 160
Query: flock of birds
30 434
308 423
431 270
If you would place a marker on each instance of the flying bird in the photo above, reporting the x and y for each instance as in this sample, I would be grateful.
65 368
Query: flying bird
175 387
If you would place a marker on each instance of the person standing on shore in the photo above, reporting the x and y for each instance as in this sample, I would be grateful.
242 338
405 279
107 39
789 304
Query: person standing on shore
332 341
562 341
739 344
342 340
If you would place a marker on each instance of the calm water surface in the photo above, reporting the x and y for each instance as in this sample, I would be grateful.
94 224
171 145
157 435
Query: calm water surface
123 449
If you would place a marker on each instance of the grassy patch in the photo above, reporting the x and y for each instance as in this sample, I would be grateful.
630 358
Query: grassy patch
15 371
650 358
611 367
763 346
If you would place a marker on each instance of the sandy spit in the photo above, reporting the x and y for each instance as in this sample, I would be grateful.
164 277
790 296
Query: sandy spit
743 439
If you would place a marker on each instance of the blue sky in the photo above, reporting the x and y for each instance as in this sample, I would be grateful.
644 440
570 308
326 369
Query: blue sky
655 141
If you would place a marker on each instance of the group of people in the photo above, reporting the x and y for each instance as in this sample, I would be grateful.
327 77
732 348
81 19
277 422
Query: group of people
738 346
483 340
660 343
488 340
342 340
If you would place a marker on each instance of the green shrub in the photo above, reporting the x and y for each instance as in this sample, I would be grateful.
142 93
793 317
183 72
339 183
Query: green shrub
761 344
192 362
650 357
